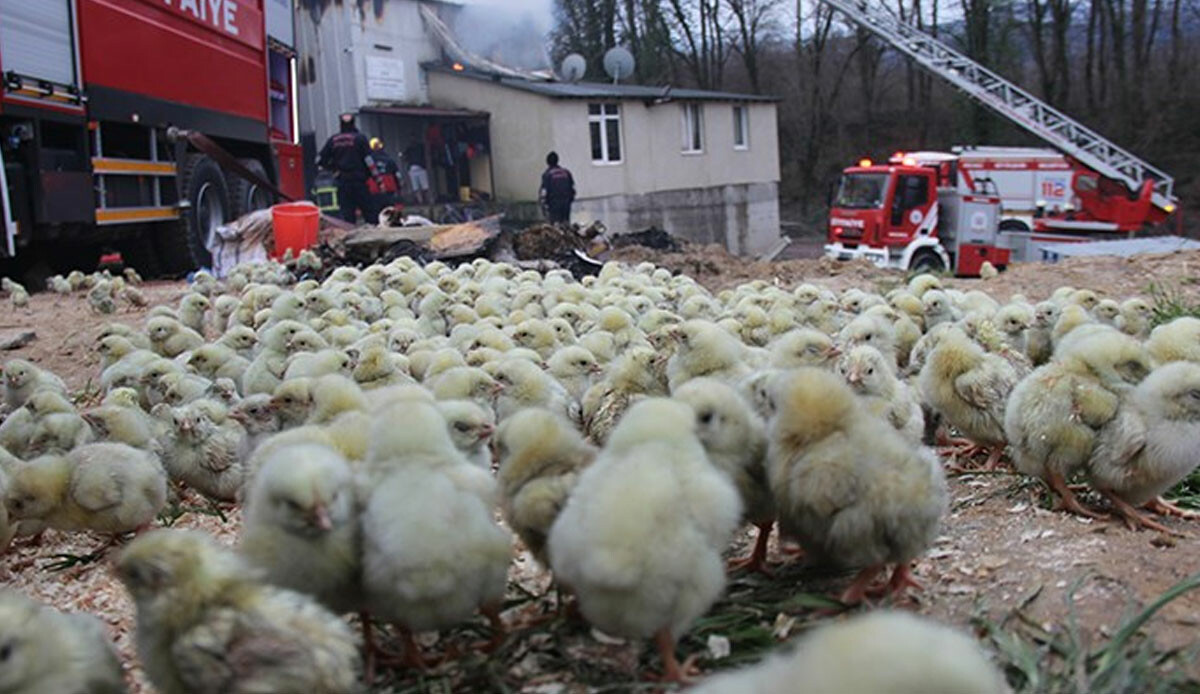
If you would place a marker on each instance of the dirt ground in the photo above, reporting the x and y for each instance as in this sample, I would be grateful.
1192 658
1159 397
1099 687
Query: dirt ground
999 551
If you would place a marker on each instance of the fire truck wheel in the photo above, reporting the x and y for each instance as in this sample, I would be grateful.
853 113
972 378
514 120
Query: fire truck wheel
926 260
203 186
1013 225
245 196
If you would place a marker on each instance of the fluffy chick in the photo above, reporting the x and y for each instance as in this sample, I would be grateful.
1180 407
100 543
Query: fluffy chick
851 489
206 623
735 440
1151 444
105 487
869 375
882 651
301 525
22 379
471 428
521 384
1178 340
1054 413
969 388
575 368
207 456
432 553
705 349
651 488
540 456
170 338
49 651
631 377
803 347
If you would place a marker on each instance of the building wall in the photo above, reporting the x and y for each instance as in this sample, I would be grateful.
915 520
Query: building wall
721 195
334 41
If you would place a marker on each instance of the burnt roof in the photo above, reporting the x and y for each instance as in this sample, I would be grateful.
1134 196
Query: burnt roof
602 90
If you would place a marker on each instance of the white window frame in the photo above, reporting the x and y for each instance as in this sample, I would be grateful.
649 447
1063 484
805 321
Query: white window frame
603 118
693 128
741 126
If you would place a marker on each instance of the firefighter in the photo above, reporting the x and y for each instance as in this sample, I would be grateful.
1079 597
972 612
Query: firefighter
384 183
347 154
557 191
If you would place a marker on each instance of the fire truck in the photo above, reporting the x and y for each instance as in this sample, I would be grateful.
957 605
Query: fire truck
955 210
92 89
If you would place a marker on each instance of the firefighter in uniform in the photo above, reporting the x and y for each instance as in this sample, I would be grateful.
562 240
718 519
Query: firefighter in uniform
384 184
347 154
557 191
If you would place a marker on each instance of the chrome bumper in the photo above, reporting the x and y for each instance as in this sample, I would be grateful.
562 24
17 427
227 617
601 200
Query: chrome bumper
879 256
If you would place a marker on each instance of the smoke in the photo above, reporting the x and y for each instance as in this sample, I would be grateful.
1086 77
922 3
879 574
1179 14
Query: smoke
510 32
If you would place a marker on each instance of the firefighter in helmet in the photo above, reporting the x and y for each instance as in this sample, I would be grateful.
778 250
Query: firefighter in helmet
347 154
384 184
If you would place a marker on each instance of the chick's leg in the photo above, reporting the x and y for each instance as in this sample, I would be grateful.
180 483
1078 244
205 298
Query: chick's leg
902 578
1163 507
673 670
499 631
1132 518
1067 501
757 561
862 582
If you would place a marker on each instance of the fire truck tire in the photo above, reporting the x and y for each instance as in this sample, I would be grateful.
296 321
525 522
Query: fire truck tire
204 187
245 196
1013 225
926 260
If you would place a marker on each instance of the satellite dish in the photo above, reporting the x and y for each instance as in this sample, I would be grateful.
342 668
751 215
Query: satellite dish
618 63
573 68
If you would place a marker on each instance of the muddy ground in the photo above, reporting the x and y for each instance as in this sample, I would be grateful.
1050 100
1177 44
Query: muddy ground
1000 552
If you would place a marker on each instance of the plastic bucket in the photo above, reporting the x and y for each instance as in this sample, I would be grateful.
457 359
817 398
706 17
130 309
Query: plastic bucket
296 225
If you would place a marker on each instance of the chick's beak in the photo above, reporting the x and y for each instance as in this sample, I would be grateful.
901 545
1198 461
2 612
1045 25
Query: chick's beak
832 352
486 431
320 518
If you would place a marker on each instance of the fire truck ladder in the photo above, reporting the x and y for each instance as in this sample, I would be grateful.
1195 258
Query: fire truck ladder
1012 102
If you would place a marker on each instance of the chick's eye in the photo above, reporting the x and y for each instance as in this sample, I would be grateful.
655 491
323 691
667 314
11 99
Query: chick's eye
462 426
871 371
706 417
6 652
1194 394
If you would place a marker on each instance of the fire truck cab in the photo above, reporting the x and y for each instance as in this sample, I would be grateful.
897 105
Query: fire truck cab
925 211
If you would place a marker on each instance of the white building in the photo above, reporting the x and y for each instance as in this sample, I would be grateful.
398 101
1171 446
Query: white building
701 165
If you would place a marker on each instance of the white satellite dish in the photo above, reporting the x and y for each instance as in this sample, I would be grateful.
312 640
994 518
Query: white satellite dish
618 63
573 68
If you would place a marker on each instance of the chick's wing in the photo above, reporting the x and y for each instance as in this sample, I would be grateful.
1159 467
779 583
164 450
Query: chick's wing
95 488
222 654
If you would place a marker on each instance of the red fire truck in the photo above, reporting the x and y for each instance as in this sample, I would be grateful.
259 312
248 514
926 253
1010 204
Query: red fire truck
937 210
934 210
90 89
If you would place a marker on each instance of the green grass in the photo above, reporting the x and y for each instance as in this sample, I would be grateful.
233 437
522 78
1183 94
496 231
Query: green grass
1064 661
1170 303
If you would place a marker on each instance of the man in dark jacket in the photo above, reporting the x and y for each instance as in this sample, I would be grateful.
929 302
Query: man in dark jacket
384 184
346 155
557 191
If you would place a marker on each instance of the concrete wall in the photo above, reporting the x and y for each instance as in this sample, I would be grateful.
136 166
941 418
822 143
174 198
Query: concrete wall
334 41
721 195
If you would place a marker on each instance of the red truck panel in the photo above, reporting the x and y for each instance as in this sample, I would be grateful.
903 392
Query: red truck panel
204 53
971 256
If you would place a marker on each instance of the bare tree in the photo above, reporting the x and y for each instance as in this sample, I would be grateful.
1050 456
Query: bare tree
753 20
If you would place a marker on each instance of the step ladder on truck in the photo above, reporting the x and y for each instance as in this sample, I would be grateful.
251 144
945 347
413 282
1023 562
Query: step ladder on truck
955 210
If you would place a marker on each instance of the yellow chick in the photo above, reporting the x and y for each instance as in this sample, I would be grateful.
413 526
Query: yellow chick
803 347
705 349
58 432
969 388
432 553
377 368
870 376
301 525
105 487
923 283
1151 444
1054 413
1107 311
736 442
124 424
22 379
292 402
1178 340
206 623
1136 317
204 455
215 361
536 335
873 331
240 339
521 384
471 428
640 539
541 456
938 308
574 367
170 338
850 488
1070 317
49 651
1039 342
880 651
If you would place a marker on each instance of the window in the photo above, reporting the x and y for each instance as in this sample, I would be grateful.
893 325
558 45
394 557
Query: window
604 122
741 127
693 128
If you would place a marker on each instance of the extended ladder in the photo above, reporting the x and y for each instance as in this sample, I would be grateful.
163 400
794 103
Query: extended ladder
1012 102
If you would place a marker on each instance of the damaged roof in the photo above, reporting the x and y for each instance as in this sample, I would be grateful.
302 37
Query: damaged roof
601 90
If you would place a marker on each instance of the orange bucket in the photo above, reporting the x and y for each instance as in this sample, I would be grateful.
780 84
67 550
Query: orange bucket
296 225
